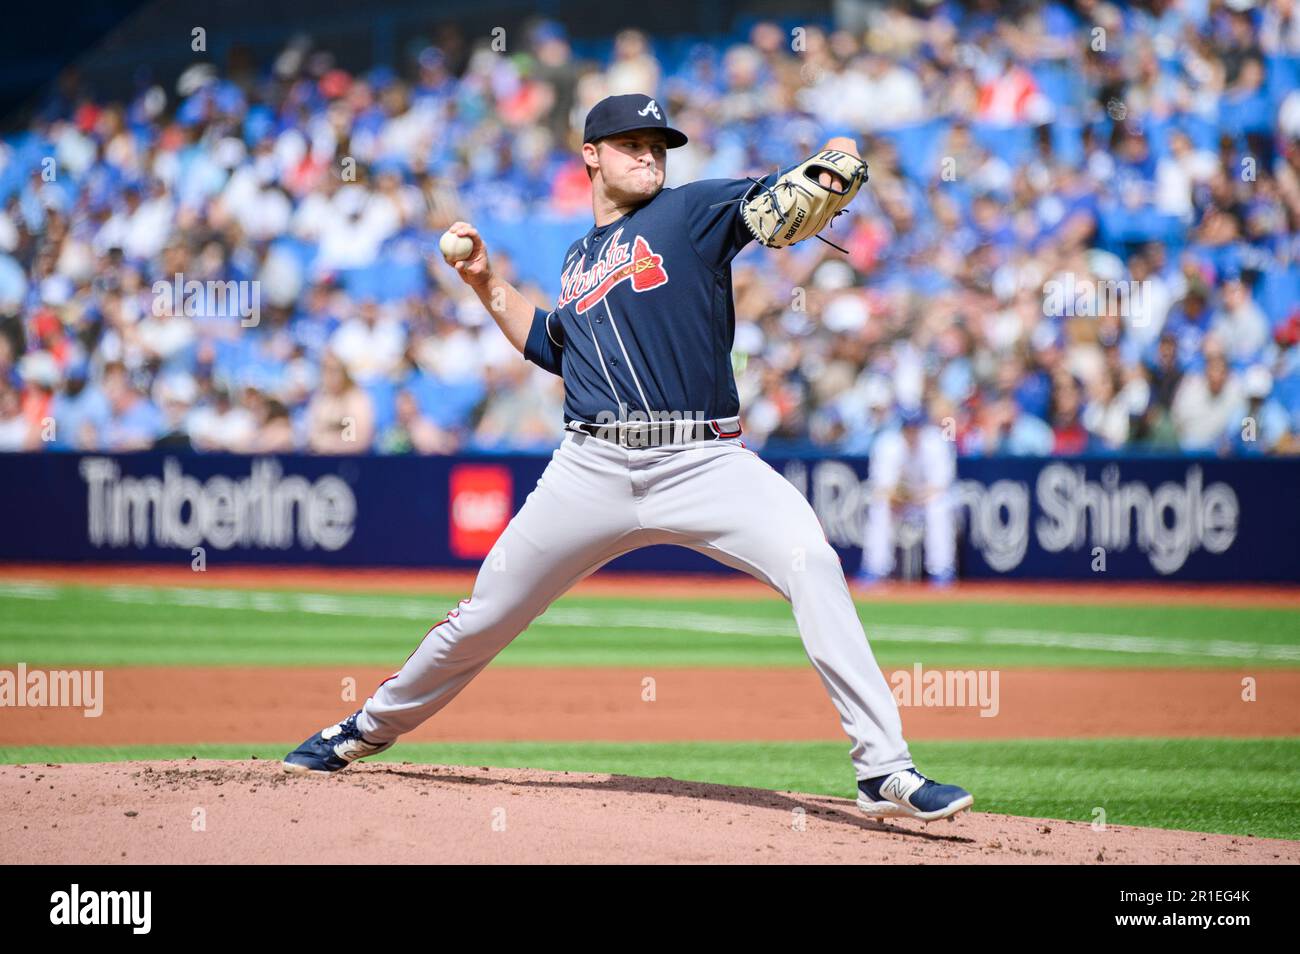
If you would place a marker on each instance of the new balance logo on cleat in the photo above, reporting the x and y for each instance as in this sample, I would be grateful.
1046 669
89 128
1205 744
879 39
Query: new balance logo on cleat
909 794
896 788
332 748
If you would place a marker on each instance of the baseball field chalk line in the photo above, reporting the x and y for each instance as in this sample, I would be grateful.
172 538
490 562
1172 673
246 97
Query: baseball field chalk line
29 591
694 621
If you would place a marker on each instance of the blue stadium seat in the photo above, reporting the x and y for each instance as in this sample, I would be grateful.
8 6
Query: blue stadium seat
537 245
1012 143
1067 141
1203 133
303 252
1278 293
28 150
447 405
1252 115
920 143
1283 76
1120 226
1063 86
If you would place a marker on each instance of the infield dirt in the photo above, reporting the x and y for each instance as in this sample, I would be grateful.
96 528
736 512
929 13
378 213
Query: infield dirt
172 705
208 812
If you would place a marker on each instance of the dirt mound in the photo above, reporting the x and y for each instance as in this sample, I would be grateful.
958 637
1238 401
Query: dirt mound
196 812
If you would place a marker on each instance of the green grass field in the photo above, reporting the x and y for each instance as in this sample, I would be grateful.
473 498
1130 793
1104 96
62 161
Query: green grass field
1215 785
143 626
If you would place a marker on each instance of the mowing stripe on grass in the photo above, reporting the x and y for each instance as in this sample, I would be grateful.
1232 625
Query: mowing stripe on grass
703 622
146 625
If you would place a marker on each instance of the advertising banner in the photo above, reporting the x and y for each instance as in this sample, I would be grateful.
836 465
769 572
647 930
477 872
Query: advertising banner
1189 519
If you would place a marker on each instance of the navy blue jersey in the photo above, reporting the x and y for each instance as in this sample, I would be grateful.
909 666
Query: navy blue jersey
645 318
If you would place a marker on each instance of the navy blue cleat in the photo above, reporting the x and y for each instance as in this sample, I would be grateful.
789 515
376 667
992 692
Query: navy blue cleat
909 794
332 749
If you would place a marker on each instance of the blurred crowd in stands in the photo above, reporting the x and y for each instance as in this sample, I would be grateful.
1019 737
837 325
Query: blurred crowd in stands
1081 233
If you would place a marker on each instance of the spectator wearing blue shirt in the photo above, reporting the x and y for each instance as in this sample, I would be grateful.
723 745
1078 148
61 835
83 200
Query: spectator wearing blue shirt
1188 324
1002 427
78 410
1240 324
1265 424
1165 373
132 422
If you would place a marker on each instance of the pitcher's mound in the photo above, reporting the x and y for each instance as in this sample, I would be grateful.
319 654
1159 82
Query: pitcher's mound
195 812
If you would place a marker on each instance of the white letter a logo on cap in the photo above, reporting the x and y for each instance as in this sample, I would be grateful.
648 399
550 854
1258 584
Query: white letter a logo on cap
652 108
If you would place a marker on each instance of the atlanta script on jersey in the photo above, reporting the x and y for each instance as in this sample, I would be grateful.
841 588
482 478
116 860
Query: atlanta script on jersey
645 319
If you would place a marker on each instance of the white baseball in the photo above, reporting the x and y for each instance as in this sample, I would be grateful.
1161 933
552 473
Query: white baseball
455 247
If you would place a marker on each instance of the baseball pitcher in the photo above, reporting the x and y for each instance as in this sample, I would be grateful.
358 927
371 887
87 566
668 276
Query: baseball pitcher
642 335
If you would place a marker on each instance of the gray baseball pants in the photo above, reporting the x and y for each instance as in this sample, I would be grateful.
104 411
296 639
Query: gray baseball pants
597 500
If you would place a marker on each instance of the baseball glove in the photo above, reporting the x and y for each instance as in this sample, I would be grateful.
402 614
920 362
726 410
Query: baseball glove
798 206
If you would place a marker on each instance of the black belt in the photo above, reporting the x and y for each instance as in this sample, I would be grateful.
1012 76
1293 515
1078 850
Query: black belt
636 434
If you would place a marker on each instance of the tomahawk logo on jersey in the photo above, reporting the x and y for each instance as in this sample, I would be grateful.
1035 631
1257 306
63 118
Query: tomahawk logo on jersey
645 319
619 263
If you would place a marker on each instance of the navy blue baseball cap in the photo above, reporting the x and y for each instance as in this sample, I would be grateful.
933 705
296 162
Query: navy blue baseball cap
617 114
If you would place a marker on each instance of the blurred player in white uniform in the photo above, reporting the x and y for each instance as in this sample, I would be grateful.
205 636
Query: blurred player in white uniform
911 476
